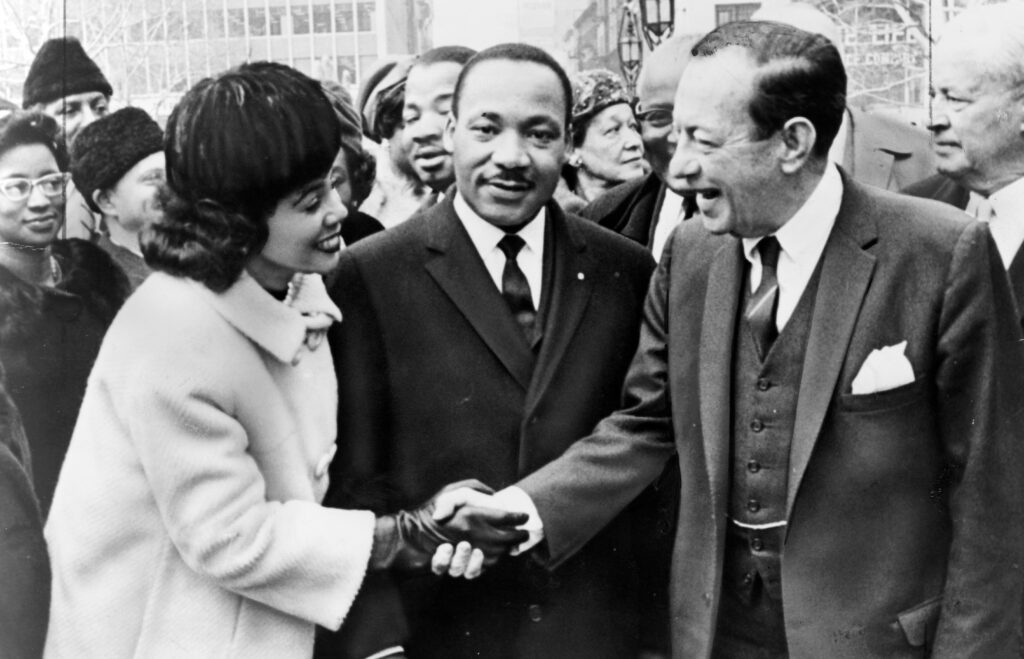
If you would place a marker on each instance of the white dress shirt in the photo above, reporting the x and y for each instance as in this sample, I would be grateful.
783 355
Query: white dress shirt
1006 219
802 239
485 237
669 217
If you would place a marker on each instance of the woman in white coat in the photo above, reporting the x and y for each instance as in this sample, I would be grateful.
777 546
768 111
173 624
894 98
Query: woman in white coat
186 520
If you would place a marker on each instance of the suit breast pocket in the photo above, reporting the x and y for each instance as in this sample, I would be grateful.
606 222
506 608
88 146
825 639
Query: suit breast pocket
883 401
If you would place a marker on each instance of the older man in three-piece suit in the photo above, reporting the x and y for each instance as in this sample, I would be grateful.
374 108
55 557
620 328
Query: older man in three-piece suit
457 359
837 370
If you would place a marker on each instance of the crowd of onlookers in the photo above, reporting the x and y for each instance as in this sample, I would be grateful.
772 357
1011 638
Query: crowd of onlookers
236 431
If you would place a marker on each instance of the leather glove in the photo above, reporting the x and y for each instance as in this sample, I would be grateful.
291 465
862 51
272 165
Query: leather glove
408 539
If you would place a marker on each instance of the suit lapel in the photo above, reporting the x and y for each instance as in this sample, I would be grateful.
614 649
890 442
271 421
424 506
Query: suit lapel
571 288
725 277
846 271
457 268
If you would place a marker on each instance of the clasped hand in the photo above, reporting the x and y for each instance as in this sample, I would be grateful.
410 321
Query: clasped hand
457 515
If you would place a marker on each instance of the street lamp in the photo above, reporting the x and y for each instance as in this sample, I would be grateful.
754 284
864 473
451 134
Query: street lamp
631 52
658 19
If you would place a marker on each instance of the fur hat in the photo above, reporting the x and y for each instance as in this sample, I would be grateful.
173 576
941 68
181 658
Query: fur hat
107 148
61 68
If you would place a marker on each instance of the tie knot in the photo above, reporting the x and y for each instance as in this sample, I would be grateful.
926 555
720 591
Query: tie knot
769 249
510 245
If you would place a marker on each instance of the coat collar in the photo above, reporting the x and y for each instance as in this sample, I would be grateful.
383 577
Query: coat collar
279 328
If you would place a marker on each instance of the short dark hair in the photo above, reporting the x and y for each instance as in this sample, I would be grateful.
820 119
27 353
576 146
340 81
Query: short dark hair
516 52
801 75
21 128
237 144
454 54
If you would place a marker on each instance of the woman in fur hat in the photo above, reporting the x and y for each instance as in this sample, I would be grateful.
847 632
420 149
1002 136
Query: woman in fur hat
57 297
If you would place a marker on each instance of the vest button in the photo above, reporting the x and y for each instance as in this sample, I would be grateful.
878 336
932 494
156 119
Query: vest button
763 384
753 466
757 544
756 425
534 612
753 505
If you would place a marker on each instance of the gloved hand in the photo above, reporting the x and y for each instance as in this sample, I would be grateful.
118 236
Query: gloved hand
408 539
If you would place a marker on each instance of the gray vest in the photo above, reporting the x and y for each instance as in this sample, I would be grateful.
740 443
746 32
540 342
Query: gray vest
764 396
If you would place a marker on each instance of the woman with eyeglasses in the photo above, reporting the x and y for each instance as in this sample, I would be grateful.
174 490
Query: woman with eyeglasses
606 146
57 297
187 521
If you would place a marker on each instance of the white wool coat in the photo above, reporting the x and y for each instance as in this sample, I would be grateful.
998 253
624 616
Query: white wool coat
187 518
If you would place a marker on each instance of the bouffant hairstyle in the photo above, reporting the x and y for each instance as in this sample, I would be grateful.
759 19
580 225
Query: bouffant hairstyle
21 128
236 145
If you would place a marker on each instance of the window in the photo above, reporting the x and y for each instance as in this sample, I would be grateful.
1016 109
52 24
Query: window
300 20
735 12
258 21
236 22
365 15
215 23
322 19
137 32
196 24
343 17
277 20
175 26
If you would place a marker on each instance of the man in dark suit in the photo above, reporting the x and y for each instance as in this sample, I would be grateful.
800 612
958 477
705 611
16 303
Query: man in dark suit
480 338
978 127
837 372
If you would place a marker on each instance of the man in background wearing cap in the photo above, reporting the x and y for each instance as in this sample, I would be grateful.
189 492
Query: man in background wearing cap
117 163
397 192
66 84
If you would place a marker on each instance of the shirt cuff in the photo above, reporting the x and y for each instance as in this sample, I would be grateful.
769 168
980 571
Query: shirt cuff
514 499
387 652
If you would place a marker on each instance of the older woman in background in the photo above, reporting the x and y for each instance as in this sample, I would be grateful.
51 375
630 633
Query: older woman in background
57 297
606 145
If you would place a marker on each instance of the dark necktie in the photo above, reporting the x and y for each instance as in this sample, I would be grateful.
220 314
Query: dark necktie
760 313
514 287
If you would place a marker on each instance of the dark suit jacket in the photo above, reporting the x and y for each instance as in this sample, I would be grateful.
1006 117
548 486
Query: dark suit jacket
942 188
904 506
438 384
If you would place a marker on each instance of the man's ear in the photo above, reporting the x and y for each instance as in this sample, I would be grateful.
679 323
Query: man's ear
798 140
448 137
102 200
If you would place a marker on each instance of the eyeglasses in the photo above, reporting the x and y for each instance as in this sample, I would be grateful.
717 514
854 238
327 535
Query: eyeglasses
19 189
655 117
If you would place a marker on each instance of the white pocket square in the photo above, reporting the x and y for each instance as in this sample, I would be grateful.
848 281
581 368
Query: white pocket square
884 369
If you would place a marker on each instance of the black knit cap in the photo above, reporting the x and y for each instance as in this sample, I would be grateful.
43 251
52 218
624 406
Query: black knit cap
61 68
106 149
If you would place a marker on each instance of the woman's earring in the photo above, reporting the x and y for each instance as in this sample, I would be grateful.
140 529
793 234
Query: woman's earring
575 160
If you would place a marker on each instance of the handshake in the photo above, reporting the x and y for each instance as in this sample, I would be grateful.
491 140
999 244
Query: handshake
459 531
